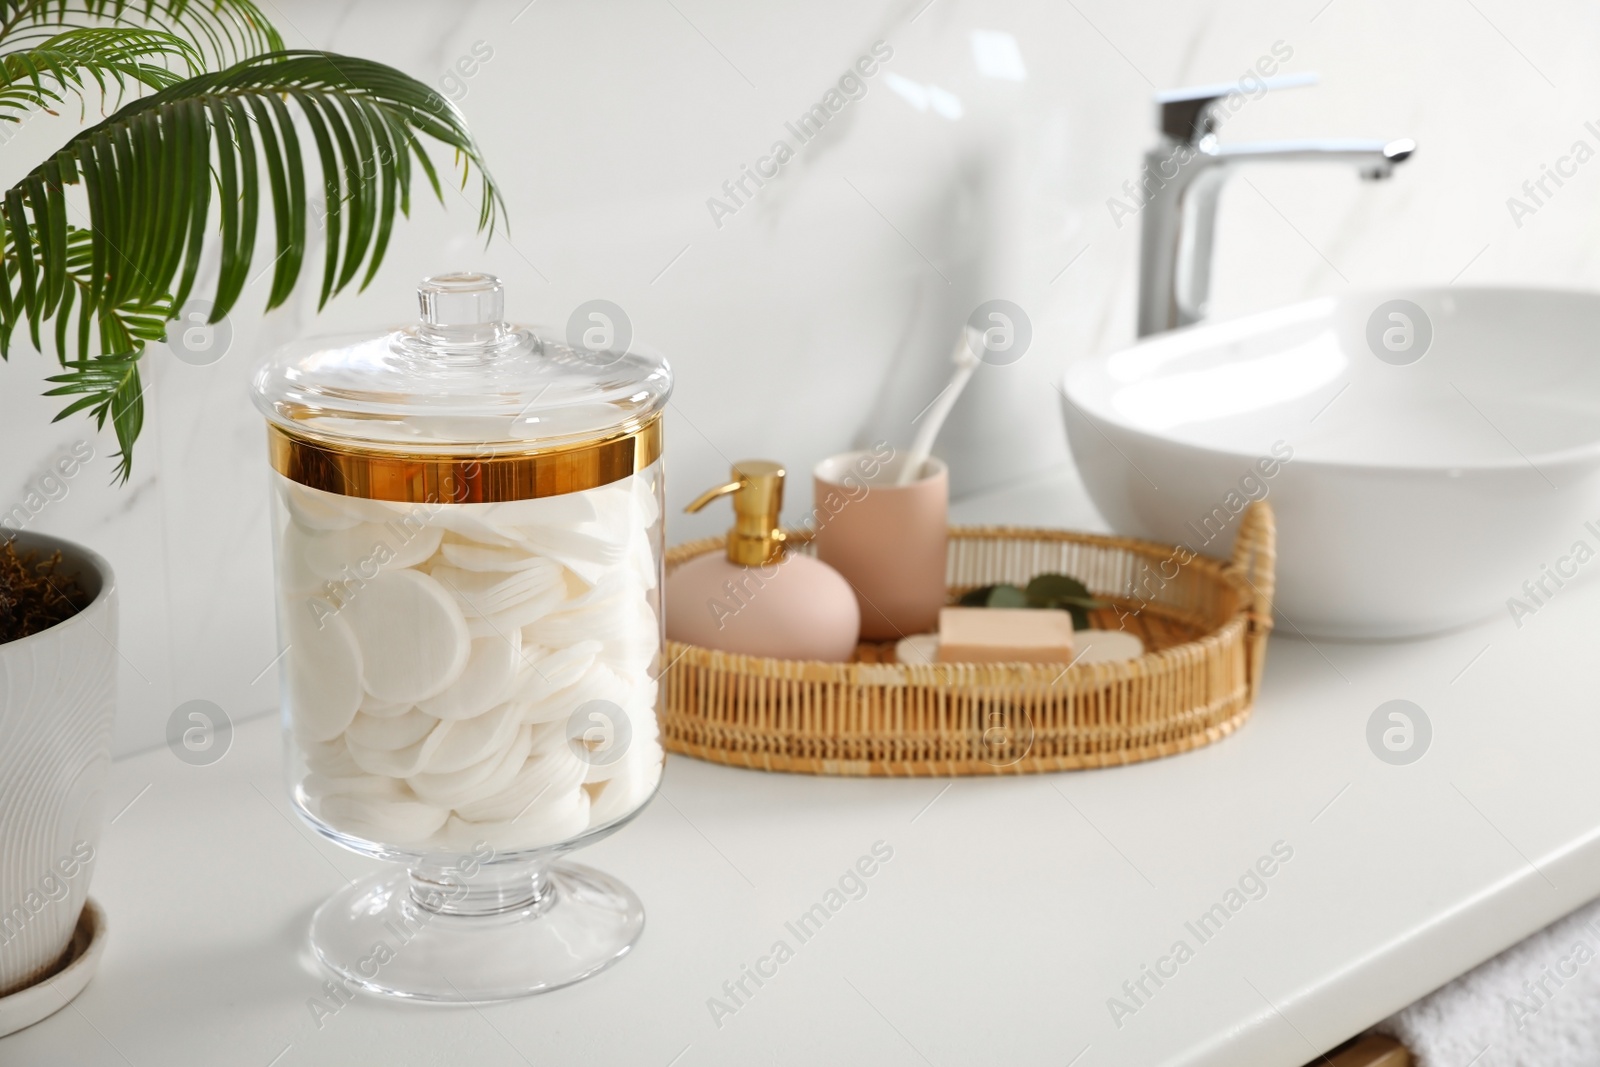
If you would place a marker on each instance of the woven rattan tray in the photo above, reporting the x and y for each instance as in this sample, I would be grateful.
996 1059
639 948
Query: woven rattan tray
1204 623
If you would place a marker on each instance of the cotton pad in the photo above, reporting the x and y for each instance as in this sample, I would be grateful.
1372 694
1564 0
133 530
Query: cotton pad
413 638
485 681
325 673
366 548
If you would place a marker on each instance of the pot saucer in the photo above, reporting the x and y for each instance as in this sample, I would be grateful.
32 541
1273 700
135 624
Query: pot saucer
49 995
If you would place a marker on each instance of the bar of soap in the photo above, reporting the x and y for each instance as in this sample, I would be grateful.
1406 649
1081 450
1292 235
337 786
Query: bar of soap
1004 635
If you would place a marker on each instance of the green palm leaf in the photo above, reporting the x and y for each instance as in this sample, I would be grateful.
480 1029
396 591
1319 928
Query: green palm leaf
223 31
69 62
147 174
111 385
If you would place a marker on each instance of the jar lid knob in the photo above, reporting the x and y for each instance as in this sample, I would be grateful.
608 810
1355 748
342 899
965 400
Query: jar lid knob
468 298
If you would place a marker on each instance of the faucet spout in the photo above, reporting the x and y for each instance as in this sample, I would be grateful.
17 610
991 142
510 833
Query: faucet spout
1183 178
1372 159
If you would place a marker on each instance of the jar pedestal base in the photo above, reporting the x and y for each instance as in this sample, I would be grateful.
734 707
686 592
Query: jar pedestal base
375 935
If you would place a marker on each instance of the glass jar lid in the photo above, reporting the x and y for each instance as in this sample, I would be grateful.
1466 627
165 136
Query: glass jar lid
463 383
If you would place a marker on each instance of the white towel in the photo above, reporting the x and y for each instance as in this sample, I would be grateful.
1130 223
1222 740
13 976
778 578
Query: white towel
1537 1004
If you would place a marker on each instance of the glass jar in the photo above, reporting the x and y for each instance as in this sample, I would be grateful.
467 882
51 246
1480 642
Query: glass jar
468 538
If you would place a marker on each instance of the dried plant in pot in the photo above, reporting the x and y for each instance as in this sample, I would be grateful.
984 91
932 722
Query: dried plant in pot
193 121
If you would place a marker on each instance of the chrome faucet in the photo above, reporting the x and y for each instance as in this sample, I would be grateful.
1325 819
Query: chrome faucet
1183 177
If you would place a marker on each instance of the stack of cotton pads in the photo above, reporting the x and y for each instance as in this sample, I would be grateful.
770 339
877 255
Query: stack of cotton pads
465 673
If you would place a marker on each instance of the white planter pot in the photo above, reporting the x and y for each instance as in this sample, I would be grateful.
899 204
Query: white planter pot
57 703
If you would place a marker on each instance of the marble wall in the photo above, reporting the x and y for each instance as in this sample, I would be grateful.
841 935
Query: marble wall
982 159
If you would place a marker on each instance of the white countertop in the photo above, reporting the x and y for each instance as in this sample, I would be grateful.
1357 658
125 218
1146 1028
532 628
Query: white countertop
1011 911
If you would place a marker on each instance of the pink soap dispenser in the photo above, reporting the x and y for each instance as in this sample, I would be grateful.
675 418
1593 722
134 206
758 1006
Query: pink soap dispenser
757 598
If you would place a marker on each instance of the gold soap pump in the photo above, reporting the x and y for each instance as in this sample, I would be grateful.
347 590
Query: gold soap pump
755 538
756 597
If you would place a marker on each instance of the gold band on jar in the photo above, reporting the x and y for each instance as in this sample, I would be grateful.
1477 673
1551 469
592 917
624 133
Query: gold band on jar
462 478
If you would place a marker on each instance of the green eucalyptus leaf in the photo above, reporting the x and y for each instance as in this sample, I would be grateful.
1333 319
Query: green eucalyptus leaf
1007 596
1046 590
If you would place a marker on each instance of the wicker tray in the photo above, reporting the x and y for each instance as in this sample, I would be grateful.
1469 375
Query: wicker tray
1205 632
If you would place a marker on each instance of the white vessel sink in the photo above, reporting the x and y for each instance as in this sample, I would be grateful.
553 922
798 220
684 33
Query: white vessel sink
1413 493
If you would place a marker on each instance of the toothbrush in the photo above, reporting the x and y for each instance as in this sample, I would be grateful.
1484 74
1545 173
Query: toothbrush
965 357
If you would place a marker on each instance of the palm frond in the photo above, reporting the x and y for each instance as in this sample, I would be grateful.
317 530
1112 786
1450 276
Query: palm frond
223 31
107 58
147 174
107 383
110 386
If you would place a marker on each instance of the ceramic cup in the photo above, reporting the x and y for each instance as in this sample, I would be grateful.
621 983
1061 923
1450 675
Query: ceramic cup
57 703
886 539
